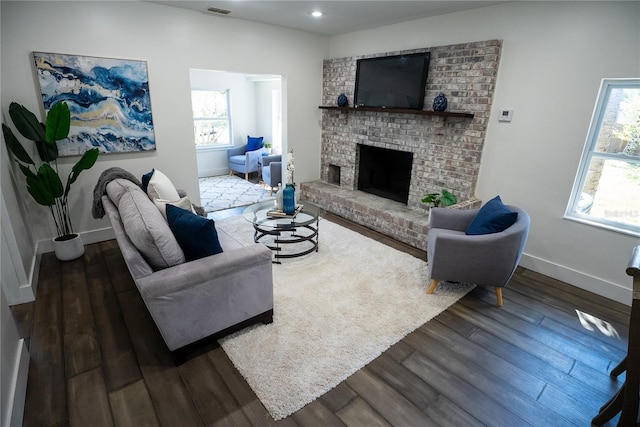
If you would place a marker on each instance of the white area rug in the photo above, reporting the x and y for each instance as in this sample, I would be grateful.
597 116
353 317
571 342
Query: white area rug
334 311
229 191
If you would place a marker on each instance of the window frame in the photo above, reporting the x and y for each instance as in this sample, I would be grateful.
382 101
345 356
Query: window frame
589 153
214 147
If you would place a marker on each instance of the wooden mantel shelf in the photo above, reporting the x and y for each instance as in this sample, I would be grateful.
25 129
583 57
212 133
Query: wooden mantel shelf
401 111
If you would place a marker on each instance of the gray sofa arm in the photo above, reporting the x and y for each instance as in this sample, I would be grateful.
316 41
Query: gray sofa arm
220 266
194 300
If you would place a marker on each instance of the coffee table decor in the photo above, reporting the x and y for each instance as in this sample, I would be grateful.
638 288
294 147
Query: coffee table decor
276 213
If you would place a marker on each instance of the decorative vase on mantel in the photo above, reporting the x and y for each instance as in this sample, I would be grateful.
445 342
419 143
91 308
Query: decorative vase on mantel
343 101
440 102
69 247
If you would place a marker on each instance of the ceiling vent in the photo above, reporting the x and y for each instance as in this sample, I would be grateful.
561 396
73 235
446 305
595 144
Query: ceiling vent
218 11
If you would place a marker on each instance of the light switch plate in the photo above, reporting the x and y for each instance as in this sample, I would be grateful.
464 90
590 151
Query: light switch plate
506 115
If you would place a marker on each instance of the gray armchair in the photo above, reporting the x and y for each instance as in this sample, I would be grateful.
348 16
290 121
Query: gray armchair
485 260
272 171
243 161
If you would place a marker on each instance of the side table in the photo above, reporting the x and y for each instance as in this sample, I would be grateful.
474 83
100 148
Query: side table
626 399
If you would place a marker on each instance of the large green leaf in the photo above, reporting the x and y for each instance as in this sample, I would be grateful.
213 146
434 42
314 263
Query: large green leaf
45 187
26 122
40 192
48 151
26 171
14 146
448 198
58 122
86 162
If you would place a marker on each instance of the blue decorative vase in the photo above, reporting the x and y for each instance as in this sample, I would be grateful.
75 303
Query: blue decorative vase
342 100
288 200
440 102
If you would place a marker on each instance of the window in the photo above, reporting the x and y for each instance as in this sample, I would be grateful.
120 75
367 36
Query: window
606 191
211 118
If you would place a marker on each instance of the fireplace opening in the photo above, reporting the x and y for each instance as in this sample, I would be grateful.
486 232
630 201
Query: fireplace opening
334 174
385 173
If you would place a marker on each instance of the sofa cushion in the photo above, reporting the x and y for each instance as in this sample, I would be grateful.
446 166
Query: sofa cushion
145 226
237 160
254 143
493 217
182 202
196 235
161 187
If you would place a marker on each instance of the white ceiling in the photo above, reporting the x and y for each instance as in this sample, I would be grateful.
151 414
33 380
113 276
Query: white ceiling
339 16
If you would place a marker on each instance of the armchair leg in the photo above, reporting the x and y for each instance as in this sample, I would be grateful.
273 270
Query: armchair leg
499 296
270 191
230 172
432 286
246 176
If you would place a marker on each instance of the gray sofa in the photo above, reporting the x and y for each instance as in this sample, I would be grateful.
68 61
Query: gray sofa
191 302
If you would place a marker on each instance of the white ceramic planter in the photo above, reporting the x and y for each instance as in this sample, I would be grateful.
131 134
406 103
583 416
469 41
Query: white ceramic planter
68 249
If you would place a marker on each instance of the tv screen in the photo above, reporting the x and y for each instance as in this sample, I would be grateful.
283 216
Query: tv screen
392 81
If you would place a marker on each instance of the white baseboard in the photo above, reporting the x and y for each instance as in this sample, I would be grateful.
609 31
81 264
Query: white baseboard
212 172
614 291
16 400
88 237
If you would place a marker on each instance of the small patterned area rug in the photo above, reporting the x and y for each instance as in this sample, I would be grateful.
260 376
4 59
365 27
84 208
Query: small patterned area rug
230 191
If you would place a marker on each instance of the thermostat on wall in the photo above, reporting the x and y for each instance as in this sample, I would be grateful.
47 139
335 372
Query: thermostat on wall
506 115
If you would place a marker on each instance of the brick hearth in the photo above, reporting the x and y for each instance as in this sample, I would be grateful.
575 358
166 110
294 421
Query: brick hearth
386 216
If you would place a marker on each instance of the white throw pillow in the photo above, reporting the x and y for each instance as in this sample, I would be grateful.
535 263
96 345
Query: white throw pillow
161 187
183 203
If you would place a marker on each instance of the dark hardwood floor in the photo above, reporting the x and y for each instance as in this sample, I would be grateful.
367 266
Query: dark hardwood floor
541 360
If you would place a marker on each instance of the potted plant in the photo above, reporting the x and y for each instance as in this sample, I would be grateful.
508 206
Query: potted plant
43 182
268 147
444 198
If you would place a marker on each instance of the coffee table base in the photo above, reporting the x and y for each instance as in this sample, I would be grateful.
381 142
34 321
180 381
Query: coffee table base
283 239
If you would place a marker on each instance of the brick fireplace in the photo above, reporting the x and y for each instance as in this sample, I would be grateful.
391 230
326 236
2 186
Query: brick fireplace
445 151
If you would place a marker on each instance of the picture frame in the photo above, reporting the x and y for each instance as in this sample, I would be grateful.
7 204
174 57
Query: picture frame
108 98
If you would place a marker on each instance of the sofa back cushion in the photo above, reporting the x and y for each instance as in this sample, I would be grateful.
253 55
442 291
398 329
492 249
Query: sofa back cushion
145 226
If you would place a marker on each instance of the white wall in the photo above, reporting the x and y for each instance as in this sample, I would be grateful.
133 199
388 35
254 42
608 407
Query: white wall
554 56
172 41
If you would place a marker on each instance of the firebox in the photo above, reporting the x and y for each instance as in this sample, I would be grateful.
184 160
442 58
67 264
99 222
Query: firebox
384 172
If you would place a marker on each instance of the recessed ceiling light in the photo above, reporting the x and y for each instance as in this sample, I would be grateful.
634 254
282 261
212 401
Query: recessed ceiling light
316 14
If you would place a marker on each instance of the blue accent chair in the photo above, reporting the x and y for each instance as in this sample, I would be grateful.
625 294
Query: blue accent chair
242 161
272 171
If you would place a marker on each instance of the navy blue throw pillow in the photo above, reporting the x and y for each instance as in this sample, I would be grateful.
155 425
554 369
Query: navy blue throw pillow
196 235
493 217
254 143
146 178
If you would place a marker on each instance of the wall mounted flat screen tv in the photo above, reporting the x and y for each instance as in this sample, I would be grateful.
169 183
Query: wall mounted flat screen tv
392 81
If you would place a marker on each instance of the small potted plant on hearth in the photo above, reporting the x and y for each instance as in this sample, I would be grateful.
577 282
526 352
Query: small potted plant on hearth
43 182
443 199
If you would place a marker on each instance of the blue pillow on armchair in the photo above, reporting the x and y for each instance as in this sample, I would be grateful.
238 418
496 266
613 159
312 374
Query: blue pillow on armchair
493 217
196 235
254 143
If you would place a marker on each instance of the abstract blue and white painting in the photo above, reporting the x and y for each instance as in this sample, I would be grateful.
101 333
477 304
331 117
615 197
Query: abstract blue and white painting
108 99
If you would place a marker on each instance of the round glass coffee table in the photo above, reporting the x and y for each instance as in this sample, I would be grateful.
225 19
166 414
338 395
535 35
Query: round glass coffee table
286 236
